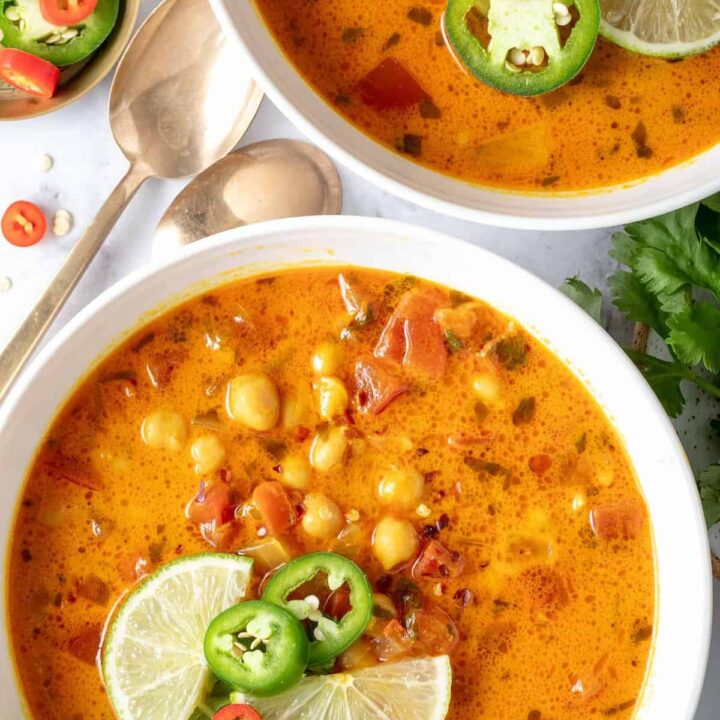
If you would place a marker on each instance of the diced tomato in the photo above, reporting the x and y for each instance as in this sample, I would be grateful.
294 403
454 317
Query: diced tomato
73 471
29 73
436 561
539 464
433 629
212 504
412 336
390 85
392 643
160 368
94 589
278 513
617 521
23 224
376 387
338 604
547 590
86 645
355 301
236 712
66 12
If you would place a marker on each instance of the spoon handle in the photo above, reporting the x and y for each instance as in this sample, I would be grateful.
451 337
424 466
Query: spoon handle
25 340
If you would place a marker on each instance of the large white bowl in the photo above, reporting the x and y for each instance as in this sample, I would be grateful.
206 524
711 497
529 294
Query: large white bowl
674 188
683 614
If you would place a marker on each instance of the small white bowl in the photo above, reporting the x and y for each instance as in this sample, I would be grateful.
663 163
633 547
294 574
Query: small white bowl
683 595
669 190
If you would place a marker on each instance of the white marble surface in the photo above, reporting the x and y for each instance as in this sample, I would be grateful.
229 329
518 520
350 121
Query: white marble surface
88 164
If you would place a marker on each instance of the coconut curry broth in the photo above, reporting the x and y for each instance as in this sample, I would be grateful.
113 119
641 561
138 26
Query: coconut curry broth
624 117
495 466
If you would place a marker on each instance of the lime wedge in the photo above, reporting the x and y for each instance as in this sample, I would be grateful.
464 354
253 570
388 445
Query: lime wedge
416 689
153 660
664 28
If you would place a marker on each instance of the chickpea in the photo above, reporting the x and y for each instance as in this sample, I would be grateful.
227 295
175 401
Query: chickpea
328 449
323 519
295 472
401 486
332 397
295 408
487 388
164 429
327 358
208 453
253 400
394 542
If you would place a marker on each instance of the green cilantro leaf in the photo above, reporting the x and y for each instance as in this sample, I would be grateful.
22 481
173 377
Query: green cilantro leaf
669 256
713 202
664 377
638 304
695 335
709 486
590 300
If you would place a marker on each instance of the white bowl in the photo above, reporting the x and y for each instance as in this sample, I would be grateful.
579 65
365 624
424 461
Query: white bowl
674 188
683 604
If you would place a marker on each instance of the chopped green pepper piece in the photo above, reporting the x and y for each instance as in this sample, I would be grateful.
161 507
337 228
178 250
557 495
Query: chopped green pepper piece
328 637
524 48
257 647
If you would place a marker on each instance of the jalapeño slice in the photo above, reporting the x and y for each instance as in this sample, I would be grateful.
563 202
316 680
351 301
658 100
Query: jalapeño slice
257 647
328 637
524 48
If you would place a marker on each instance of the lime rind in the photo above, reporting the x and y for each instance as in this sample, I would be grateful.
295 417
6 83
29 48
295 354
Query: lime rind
153 661
414 689
662 28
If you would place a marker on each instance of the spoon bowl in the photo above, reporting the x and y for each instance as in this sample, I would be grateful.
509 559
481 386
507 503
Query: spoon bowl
176 105
265 181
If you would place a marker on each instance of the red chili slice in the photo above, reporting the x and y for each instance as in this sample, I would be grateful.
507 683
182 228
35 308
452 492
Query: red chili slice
67 12
236 712
29 73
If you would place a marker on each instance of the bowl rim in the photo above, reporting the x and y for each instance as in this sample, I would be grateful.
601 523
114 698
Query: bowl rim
97 67
388 234
297 102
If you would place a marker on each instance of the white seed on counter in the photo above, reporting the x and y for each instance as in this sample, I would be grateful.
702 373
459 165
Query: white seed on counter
6 283
62 223
45 162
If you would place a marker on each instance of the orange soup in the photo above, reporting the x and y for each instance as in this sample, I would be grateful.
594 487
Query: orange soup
476 484
624 117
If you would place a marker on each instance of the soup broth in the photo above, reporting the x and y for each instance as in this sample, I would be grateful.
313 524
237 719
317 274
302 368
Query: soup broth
529 559
624 117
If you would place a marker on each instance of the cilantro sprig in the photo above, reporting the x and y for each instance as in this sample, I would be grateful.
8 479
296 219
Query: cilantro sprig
668 277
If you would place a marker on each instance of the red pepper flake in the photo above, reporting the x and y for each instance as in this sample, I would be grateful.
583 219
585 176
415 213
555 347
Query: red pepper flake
349 419
442 522
26 555
225 475
178 549
464 596
429 531
302 434
277 469
300 510
430 476
420 452
384 583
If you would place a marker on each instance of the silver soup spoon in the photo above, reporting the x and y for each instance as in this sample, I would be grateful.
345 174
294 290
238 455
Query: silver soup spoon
265 181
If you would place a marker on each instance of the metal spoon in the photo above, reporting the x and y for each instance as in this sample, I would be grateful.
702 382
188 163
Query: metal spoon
268 180
179 101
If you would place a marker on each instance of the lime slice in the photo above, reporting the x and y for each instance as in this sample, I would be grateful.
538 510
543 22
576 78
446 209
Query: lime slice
664 28
417 689
153 661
